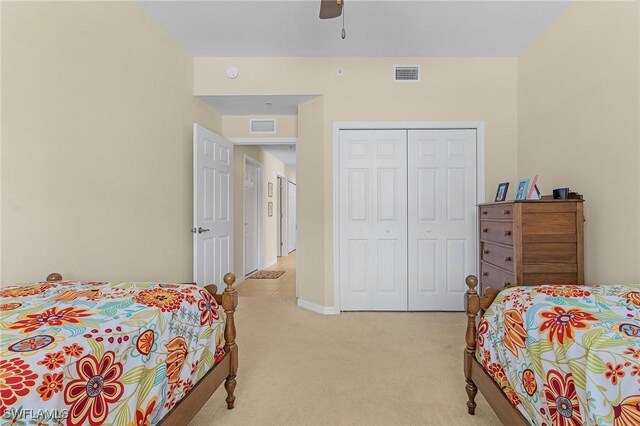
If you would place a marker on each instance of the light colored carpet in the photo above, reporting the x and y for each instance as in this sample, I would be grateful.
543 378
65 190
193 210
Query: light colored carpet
297 367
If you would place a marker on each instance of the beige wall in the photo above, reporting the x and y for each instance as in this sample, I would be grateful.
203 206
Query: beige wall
312 254
238 126
96 144
1 145
452 89
579 103
271 167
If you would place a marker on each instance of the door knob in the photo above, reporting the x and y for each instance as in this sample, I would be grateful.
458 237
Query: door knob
201 230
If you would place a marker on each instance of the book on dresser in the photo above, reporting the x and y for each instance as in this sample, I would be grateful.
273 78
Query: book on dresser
531 242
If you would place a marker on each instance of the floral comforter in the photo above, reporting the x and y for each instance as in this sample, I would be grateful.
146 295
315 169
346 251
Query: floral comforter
566 355
93 353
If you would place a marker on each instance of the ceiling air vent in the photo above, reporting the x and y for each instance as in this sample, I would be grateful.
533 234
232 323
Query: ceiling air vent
263 125
406 73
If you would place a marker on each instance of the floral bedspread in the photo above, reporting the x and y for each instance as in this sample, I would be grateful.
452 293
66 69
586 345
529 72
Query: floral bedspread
566 355
93 353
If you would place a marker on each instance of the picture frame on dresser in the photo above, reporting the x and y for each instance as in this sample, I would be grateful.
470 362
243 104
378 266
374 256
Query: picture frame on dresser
501 194
523 189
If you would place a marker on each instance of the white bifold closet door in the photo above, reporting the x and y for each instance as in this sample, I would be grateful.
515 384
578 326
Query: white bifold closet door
373 220
407 218
441 220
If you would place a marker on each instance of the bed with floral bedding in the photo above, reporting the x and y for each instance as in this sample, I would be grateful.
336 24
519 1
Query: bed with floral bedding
565 355
93 353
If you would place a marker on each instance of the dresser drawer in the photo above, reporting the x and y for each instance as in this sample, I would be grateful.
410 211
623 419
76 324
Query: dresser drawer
494 277
498 232
498 255
498 211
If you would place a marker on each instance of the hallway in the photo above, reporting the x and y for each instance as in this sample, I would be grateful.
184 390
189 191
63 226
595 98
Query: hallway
284 287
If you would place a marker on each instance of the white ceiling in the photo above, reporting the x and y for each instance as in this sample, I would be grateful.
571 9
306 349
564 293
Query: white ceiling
284 153
374 28
256 104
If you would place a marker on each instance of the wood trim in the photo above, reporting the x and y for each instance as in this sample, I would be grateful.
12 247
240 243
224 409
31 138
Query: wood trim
475 376
517 242
54 276
187 408
224 371
230 303
580 242
472 307
501 405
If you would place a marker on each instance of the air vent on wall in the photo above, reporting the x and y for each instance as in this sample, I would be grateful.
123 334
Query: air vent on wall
406 73
263 125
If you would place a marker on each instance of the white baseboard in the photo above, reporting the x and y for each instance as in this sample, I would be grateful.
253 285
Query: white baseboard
325 310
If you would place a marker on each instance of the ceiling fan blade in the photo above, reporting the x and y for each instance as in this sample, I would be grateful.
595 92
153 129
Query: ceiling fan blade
330 8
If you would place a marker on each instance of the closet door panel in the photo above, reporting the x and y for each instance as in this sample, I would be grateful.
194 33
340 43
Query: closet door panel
373 220
441 217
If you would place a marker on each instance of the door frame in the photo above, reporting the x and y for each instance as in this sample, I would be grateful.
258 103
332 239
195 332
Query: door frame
295 218
478 126
255 163
282 211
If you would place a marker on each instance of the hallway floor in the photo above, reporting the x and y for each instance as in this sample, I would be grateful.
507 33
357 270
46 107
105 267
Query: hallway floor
284 287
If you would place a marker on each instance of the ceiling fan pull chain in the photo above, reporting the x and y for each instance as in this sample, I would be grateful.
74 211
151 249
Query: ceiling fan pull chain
344 32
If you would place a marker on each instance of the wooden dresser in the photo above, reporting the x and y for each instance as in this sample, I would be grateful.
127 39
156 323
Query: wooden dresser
531 243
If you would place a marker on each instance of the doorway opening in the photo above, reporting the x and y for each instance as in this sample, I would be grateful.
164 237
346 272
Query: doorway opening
282 215
252 216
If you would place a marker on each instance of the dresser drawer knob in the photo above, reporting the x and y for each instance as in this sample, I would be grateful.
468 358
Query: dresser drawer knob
485 274
484 212
485 230
508 284
507 233
506 212
507 259
485 251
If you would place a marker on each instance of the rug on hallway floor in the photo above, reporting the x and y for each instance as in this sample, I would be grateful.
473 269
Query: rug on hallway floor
266 275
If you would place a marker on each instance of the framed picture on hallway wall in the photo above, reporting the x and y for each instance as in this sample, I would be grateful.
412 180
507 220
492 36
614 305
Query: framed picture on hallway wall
270 190
270 208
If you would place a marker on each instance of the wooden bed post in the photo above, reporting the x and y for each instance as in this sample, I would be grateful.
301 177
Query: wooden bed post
229 303
473 307
54 276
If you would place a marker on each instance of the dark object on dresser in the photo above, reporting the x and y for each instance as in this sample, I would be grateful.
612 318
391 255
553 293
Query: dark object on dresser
531 243
561 194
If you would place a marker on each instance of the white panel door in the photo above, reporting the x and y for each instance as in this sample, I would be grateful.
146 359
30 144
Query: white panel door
373 220
441 217
250 218
292 228
283 222
213 206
